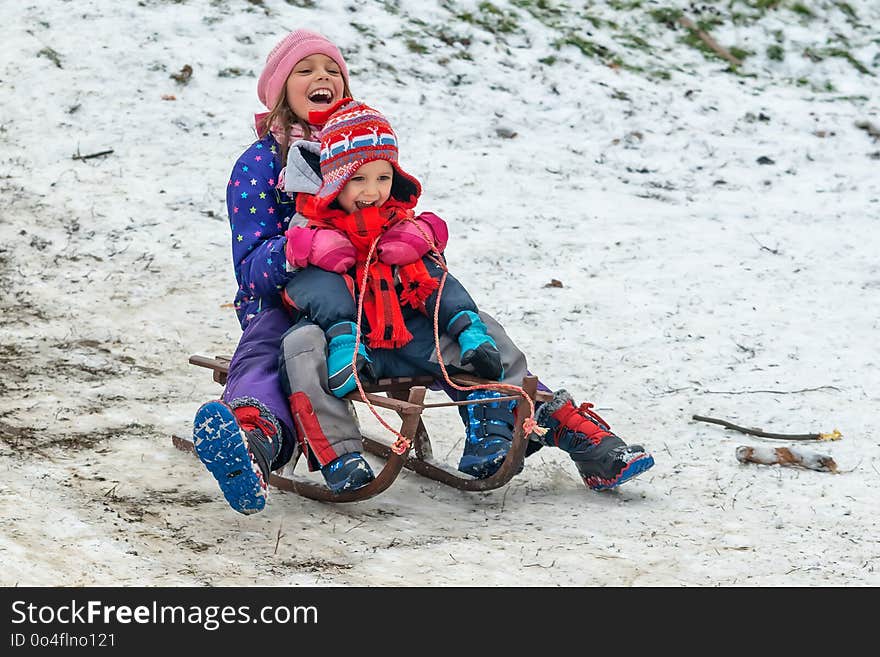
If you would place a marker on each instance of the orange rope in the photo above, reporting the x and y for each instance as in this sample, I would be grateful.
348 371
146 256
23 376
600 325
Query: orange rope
402 444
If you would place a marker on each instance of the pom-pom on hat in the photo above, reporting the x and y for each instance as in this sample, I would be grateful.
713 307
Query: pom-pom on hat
297 45
353 135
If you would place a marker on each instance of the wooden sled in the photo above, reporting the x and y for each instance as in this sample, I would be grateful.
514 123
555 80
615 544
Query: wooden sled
406 397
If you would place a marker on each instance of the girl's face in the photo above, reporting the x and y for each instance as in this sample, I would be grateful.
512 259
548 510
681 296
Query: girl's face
314 84
369 186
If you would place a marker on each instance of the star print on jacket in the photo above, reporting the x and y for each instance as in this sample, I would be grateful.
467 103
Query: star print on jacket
258 230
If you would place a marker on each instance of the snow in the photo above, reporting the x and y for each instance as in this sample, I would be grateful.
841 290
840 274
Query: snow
695 280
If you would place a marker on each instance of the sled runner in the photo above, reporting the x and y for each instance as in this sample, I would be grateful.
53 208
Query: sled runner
406 397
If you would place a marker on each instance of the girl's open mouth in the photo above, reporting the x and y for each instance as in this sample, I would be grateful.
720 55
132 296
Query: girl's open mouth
321 96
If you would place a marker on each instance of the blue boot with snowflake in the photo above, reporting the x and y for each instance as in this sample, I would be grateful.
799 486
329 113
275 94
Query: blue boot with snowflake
489 434
347 472
237 447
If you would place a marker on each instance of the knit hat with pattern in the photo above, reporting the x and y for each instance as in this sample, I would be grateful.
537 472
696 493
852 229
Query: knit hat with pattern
353 135
297 45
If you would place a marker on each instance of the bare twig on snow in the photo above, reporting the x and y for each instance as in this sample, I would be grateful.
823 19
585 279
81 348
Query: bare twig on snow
834 435
77 156
719 50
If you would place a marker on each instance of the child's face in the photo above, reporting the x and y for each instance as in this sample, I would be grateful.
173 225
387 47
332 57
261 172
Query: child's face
369 186
314 84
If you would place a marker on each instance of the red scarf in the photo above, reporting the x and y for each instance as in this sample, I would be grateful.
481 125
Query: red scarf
381 300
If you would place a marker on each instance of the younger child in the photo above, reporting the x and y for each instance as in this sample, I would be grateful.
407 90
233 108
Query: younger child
364 195
365 201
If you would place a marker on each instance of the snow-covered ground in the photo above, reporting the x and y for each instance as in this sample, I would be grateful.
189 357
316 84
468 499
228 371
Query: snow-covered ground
695 280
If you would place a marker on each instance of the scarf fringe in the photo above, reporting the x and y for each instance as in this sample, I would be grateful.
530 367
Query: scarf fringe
417 284
400 337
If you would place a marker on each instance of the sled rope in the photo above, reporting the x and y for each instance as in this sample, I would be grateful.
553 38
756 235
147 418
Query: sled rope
402 444
530 425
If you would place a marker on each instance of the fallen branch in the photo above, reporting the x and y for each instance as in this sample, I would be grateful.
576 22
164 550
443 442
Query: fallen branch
834 435
722 52
769 392
91 155
794 457
870 128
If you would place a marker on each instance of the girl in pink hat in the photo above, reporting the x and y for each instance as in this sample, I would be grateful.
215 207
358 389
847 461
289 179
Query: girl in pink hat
250 431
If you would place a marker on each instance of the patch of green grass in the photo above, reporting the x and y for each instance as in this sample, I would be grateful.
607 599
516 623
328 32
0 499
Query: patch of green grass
847 9
589 48
746 12
740 53
775 52
545 11
803 10
597 22
450 38
51 55
666 15
415 46
823 53
764 5
548 61
845 54
496 20
391 6
624 5
709 24
634 42
691 39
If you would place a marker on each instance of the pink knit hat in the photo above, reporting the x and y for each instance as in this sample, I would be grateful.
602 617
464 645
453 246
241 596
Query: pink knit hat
297 45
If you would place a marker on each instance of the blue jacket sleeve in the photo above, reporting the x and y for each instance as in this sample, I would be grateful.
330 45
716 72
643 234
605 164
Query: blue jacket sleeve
258 217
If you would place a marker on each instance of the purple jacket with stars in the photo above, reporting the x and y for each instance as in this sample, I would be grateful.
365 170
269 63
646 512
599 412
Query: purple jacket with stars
258 216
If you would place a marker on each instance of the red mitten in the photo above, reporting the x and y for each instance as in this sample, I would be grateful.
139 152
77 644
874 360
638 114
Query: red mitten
408 241
322 247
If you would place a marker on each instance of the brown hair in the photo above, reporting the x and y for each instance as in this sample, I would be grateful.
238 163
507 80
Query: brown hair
284 117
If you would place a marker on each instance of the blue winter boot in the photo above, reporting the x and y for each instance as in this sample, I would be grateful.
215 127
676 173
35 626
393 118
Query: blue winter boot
238 448
477 346
340 348
489 434
348 472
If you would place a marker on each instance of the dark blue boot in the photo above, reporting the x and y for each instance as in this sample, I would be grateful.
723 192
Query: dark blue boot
348 472
340 349
478 348
603 460
238 448
489 434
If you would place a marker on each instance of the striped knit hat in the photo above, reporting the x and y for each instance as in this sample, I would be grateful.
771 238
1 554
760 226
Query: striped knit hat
353 135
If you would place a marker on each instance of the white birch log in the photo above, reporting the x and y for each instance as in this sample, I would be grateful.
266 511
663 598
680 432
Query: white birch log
794 457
